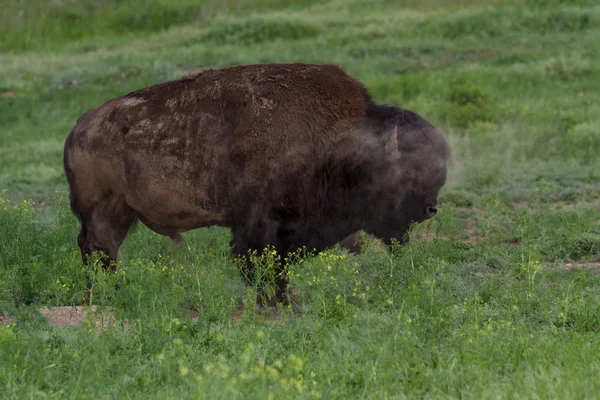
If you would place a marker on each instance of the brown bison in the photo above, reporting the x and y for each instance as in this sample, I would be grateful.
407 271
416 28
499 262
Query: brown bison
288 155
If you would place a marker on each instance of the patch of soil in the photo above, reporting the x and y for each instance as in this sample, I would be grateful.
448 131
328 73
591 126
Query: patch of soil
75 315
511 242
588 265
6 320
39 205
475 237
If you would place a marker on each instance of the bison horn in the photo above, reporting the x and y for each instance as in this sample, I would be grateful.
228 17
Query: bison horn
391 147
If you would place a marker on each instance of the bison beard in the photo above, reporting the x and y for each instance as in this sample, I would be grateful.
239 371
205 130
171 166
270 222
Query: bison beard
286 155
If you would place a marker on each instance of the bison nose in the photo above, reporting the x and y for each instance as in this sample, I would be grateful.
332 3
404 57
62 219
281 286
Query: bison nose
430 211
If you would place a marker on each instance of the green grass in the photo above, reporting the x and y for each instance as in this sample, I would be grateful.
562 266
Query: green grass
497 297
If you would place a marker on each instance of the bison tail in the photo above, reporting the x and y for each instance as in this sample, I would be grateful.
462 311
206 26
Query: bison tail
73 199
74 206
71 178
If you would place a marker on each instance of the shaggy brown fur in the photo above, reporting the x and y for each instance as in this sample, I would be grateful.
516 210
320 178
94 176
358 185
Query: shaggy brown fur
285 154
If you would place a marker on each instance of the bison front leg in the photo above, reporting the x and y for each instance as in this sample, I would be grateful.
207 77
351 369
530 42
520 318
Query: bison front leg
281 290
352 243
103 229
261 276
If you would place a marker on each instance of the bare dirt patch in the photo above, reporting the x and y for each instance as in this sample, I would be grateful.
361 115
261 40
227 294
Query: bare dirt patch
587 265
75 315
475 237
511 242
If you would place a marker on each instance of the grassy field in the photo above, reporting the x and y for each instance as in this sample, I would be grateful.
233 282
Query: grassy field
497 297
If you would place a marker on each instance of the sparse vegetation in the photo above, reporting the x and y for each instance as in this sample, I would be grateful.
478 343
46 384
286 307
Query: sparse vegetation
497 297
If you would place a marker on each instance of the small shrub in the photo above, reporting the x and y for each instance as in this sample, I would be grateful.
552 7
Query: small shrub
565 68
582 245
467 103
583 141
35 263
458 197
494 22
260 29
331 283
482 25
547 3
567 20
266 268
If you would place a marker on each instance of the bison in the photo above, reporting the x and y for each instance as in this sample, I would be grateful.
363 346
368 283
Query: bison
287 155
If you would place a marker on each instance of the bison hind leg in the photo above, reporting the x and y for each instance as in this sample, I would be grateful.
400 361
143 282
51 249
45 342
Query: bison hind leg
104 228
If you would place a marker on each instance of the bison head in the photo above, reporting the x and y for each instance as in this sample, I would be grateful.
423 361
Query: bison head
411 175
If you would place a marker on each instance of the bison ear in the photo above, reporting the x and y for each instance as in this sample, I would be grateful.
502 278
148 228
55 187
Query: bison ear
391 145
